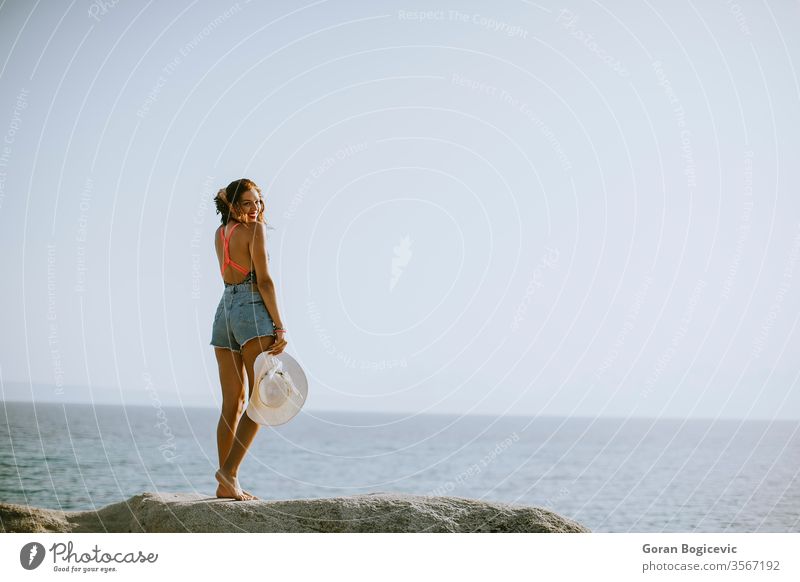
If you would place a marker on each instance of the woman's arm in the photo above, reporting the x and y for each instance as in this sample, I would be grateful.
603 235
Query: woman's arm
266 286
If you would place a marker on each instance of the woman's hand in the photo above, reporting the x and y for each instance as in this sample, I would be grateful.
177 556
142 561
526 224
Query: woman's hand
279 345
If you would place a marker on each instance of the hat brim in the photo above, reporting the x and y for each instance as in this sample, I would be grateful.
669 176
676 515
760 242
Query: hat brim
265 415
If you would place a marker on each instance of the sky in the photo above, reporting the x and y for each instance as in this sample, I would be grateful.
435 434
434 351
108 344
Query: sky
574 209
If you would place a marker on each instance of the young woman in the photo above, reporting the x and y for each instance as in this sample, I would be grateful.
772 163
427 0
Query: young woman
247 322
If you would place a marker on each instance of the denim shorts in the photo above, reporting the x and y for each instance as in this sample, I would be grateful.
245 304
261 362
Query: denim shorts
241 316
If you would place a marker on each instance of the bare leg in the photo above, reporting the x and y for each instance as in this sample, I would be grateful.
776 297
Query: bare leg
231 376
226 427
246 429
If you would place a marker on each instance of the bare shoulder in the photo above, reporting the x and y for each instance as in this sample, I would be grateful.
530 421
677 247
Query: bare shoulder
257 229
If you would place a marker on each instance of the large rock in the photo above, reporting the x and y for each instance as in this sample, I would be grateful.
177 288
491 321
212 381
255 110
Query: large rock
374 512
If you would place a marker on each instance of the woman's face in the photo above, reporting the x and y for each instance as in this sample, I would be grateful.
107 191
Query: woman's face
250 204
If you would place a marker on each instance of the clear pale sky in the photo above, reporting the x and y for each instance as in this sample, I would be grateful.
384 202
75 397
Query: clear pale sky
516 208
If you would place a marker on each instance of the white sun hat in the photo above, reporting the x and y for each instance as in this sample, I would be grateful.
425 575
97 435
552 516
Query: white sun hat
279 391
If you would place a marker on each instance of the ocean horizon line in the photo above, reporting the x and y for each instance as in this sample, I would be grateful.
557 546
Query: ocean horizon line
409 413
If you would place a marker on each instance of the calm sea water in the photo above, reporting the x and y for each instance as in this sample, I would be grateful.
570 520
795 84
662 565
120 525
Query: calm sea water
611 475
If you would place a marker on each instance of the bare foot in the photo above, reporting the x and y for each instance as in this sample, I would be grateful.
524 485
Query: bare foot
229 488
250 496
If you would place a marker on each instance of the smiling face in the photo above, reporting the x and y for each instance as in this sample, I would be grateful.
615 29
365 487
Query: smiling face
250 206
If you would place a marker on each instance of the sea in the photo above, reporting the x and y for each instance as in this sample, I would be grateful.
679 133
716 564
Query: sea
609 474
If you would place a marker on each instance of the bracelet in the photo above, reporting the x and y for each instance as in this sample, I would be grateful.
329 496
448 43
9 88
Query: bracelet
280 329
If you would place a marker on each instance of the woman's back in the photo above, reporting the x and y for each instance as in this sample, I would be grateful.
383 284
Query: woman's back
232 243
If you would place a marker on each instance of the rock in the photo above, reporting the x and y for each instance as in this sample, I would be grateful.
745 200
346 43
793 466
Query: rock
373 512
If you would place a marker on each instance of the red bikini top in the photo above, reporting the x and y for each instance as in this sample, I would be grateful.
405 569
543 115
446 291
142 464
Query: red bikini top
226 254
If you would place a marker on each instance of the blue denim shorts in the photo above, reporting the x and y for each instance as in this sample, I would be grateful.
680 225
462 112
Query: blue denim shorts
241 316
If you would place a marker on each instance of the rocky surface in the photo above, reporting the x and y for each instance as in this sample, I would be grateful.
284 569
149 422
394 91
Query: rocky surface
373 512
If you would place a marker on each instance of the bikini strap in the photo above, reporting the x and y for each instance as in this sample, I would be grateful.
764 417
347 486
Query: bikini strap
226 242
226 257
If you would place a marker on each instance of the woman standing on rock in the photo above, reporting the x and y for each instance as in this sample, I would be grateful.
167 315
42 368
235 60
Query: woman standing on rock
247 322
